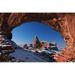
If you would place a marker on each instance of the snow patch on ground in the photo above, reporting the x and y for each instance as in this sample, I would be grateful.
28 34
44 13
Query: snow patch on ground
28 56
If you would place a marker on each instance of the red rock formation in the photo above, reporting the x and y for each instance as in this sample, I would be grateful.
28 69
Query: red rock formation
36 42
64 23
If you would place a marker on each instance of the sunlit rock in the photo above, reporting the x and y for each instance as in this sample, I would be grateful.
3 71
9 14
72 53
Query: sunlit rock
63 23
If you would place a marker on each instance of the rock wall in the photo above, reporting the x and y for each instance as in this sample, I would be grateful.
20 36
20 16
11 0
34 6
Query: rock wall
61 22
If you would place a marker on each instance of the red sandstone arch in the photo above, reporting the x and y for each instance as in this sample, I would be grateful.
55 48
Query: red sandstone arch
62 22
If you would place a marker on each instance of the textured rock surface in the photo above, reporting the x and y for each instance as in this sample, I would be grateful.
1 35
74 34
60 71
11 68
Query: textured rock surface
36 42
64 23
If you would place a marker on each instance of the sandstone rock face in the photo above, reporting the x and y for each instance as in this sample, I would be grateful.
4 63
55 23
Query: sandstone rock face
61 22
36 42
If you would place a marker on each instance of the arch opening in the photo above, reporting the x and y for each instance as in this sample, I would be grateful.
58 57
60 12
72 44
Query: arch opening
24 34
64 23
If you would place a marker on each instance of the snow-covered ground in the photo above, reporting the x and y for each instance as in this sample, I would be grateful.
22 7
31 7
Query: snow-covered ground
28 56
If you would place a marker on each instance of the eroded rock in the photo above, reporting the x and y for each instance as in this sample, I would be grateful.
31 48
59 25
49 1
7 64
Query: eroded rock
62 22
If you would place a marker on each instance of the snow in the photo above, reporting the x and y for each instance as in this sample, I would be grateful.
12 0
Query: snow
27 56
4 45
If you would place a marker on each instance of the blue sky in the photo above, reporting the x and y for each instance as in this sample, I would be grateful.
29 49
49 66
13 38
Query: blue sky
26 32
